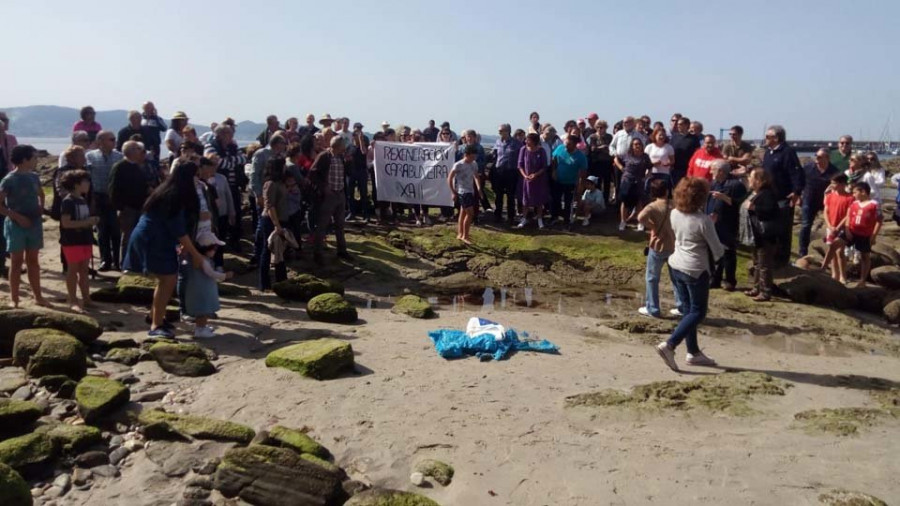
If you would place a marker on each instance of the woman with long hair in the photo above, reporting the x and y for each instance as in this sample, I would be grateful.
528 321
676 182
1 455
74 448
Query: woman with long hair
635 165
161 228
695 242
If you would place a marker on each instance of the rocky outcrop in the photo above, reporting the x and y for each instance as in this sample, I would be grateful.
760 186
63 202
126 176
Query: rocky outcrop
45 352
297 441
98 397
14 491
182 359
807 287
331 308
157 424
892 311
304 287
887 276
320 359
264 475
17 416
413 306
12 321
71 439
387 497
24 451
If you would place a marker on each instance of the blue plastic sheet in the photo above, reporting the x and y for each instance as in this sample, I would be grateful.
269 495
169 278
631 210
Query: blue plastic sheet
451 343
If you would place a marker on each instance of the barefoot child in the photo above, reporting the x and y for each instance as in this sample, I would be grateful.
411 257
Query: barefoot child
860 228
466 188
22 202
837 203
76 237
202 291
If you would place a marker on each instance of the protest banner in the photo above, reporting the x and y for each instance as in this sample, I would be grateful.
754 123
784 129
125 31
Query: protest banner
414 173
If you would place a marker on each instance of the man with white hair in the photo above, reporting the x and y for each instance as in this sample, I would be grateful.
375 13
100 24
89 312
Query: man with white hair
327 175
133 128
101 162
621 141
309 128
128 188
724 208
79 138
231 162
817 178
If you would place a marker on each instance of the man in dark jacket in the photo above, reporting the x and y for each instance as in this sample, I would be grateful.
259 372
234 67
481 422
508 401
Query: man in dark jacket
128 189
328 177
783 166
685 144
818 176
723 207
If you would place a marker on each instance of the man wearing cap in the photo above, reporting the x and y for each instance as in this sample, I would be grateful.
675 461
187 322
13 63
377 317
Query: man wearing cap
272 126
505 174
327 132
174 137
431 133
309 128
327 176
385 126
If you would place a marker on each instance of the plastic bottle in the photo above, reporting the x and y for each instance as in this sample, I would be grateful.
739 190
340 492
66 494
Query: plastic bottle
488 298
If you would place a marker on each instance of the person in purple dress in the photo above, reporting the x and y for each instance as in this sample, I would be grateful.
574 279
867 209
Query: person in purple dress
533 165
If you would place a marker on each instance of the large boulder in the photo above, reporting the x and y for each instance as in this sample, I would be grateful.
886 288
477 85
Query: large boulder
125 356
414 306
304 287
331 308
17 416
887 251
265 475
887 276
232 290
158 422
45 352
324 358
71 439
98 397
870 299
807 287
24 451
129 289
297 441
12 321
388 497
182 359
892 311
11 379
14 491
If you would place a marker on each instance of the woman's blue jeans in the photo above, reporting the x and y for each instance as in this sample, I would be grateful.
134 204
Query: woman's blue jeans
694 295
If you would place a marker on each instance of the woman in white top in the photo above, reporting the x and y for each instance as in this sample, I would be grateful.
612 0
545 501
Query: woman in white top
695 239
662 156
173 138
874 176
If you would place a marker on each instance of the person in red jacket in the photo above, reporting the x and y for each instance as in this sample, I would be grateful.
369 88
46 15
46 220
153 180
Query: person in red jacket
701 163
859 229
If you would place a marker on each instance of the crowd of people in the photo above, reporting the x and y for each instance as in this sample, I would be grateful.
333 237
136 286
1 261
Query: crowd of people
174 216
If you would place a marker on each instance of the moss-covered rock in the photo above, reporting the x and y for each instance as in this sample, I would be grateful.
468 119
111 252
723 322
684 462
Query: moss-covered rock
72 438
297 441
44 352
12 321
324 358
197 426
304 287
387 497
14 491
98 397
727 392
842 421
20 452
182 359
331 308
17 416
236 264
414 306
263 474
440 472
127 356
848 498
129 289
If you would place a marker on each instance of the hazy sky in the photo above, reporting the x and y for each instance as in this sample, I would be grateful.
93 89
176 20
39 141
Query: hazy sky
820 68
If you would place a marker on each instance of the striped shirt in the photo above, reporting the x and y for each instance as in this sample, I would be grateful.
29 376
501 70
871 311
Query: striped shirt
101 167
229 165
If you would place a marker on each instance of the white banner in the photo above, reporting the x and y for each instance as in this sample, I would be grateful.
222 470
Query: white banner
414 173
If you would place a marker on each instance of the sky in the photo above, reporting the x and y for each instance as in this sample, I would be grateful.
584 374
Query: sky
821 68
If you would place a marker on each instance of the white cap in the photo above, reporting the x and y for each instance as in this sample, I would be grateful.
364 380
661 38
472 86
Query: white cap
207 238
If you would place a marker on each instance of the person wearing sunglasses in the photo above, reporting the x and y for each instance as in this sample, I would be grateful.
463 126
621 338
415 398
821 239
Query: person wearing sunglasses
841 156
783 167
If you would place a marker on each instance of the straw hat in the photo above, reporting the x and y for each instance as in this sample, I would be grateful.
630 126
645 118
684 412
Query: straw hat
180 115
326 119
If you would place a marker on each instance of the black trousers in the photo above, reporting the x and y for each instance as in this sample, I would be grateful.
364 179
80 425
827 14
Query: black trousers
726 268
504 184
785 235
108 232
234 239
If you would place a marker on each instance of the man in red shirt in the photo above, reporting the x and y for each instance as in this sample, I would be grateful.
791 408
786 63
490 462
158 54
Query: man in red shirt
701 163
861 227
836 205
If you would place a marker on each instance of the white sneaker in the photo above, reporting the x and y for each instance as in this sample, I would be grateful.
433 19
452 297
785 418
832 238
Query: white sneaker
541 223
643 311
418 222
522 223
621 226
667 354
204 332
675 312
700 359
585 222
640 227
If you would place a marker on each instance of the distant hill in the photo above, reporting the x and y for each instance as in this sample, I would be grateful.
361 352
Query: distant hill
55 121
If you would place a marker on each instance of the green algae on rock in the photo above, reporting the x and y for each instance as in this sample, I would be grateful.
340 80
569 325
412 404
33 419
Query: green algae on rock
728 393
23 451
331 308
304 287
841 421
413 306
126 356
98 397
439 471
848 498
17 416
14 491
388 497
182 359
46 352
324 358
298 441
196 426
71 438
12 321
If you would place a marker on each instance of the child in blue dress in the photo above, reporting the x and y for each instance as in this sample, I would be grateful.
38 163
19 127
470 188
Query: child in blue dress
202 290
